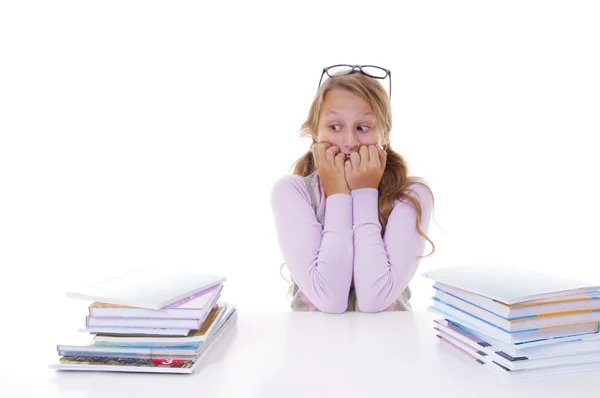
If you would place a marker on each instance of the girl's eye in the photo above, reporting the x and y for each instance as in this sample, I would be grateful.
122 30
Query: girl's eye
364 128
333 126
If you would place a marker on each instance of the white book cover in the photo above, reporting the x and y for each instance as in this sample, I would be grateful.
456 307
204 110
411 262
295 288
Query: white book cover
193 307
147 288
508 285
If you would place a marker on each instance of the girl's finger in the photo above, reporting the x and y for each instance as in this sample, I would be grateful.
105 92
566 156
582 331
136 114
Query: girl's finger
373 157
315 153
347 167
320 151
323 148
339 161
364 154
331 152
355 160
330 155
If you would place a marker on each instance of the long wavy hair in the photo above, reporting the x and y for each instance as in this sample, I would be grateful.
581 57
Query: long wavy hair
395 180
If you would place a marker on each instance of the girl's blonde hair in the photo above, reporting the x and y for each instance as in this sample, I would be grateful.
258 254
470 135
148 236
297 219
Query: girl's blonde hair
395 179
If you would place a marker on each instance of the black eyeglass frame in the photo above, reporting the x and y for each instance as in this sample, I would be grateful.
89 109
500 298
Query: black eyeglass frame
353 69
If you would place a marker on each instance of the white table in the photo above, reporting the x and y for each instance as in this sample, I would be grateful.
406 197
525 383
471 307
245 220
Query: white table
287 355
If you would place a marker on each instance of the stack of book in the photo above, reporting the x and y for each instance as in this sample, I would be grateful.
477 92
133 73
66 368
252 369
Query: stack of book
149 320
518 323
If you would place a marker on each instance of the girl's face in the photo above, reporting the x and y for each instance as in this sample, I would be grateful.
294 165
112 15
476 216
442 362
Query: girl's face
347 121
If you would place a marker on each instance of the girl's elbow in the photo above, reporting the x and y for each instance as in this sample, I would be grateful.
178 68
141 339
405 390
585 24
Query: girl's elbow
337 307
371 304
372 299
335 304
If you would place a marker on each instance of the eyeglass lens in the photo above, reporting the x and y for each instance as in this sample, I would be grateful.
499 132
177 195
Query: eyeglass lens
346 69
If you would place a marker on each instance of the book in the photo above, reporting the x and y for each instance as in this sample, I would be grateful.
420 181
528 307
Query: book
149 365
520 362
135 331
193 307
539 349
492 365
510 285
572 303
144 323
516 322
526 322
112 364
147 288
530 347
125 350
128 355
520 337
201 334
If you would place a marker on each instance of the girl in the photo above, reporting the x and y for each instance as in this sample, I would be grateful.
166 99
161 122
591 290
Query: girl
350 223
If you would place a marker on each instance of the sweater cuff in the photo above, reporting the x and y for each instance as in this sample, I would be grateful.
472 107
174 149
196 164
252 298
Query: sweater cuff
365 206
338 212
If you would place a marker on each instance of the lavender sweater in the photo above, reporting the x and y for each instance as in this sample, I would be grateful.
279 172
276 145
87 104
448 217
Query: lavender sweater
334 251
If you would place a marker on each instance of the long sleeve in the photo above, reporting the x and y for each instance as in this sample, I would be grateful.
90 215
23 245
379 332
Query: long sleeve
319 258
383 267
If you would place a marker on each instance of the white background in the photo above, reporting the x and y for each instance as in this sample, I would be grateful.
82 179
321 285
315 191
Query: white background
145 133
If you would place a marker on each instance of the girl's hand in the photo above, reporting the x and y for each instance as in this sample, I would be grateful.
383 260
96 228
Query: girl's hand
365 168
330 166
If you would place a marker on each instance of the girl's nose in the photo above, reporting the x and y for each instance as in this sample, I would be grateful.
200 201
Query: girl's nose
350 140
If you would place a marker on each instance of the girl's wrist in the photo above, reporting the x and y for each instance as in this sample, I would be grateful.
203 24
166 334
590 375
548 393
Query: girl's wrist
338 191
